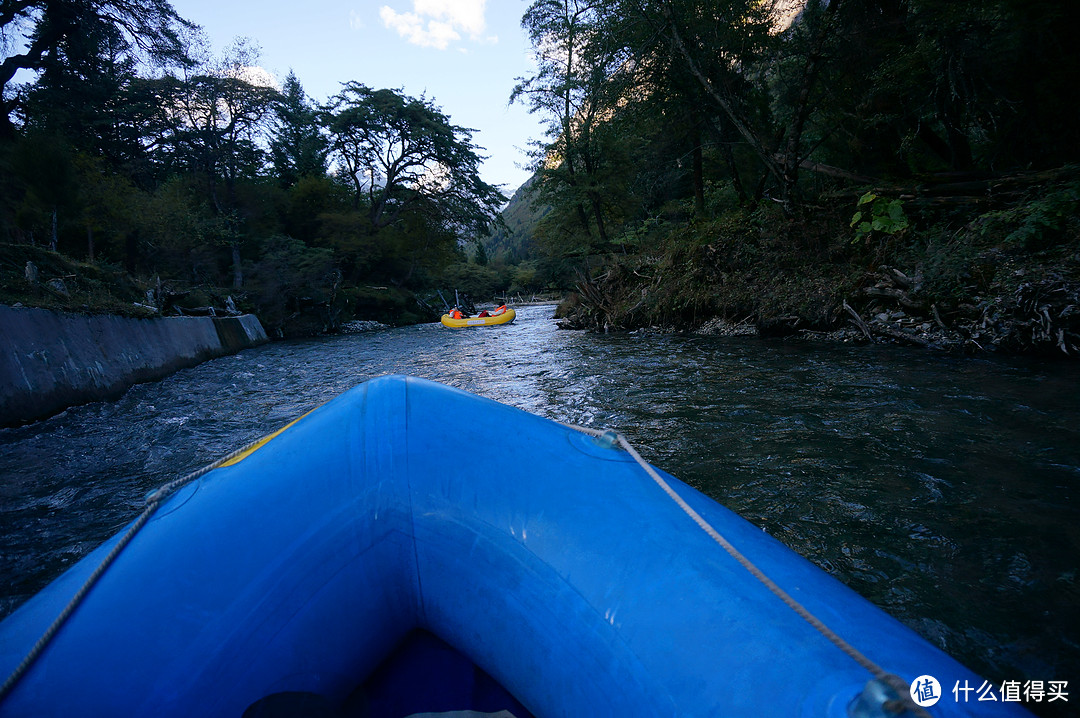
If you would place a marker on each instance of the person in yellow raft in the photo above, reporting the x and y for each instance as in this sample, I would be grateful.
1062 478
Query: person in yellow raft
456 313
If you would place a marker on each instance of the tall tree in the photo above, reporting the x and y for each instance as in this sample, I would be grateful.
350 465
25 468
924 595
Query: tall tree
216 123
47 35
929 85
719 45
567 90
402 155
297 146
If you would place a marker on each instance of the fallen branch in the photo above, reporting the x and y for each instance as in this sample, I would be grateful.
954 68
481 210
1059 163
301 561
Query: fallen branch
859 321
937 318
898 294
818 168
898 278
899 334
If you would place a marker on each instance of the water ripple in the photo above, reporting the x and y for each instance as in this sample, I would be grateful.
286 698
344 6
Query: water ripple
945 490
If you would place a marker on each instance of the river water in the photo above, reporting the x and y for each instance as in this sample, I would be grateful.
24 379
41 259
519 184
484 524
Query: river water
946 490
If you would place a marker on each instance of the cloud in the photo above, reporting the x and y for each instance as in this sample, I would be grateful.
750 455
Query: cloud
254 75
437 23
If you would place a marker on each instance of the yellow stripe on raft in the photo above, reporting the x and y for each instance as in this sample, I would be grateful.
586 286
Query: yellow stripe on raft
261 443
504 318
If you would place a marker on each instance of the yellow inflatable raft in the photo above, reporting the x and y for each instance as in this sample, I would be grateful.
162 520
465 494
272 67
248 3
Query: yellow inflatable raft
504 318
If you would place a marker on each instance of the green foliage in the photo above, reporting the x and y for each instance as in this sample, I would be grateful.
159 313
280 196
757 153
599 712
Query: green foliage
527 278
477 282
512 240
403 155
189 171
578 171
298 148
46 185
721 197
388 305
68 41
307 202
1041 222
173 223
677 133
98 288
480 256
878 215
289 277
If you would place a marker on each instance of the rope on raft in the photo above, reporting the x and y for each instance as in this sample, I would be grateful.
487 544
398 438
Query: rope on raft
903 702
608 439
153 502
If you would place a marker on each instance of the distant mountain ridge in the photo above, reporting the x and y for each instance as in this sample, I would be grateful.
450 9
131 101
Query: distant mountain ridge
514 243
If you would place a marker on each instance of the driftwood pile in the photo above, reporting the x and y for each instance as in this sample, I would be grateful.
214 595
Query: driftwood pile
1044 313
898 313
1039 316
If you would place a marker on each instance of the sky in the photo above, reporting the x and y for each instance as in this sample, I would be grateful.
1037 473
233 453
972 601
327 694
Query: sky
463 55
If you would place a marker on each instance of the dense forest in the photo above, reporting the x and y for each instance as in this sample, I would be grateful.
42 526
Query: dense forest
137 166
901 170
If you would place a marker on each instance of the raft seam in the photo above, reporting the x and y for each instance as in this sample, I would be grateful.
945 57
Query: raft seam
421 611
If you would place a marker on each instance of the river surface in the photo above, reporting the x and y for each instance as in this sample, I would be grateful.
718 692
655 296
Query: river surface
943 489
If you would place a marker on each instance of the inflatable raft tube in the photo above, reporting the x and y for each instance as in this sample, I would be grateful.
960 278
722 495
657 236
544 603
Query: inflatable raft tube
504 318
360 561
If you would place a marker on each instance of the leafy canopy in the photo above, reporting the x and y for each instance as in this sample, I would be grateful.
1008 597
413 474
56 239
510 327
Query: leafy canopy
402 155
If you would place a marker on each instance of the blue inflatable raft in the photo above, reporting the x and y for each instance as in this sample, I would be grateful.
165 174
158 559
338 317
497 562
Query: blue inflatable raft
365 563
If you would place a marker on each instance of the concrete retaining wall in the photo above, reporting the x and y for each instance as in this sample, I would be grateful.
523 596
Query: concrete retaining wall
50 361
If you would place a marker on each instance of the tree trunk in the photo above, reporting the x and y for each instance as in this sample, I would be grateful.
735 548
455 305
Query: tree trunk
583 218
811 67
600 228
698 172
716 95
238 272
724 141
90 244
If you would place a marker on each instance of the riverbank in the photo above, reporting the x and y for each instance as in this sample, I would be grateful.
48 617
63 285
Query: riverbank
33 276
1003 278
52 360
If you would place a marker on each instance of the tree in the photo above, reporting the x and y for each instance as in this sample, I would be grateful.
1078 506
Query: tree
47 35
480 258
718 45
215 122
78 94
306 203
290 277
108 203
45 195
402 155
297 146
567 90
928 86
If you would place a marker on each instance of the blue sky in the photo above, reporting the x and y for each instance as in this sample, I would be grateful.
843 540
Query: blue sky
462 54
